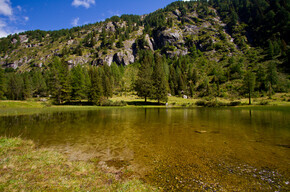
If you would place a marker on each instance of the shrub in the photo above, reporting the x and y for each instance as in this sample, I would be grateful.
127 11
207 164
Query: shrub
263 102
112 103
234 103
200 103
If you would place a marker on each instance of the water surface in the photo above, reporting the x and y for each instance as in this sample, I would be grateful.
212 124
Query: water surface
175 149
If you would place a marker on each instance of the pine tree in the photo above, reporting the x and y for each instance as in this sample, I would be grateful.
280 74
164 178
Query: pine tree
59 81
272 76
159 82
144 81
14 86
116 74
39 84
27 86
96 88
78 83
2 83
107 81
249 83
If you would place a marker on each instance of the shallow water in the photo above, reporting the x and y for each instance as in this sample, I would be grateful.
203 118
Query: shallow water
175 149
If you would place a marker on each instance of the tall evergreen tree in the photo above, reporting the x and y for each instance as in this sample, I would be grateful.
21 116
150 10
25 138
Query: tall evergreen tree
144 81
78 83
27 86
107 81
272 76
14 87
249 83
59 81
159 81
2 83
96 88
39 84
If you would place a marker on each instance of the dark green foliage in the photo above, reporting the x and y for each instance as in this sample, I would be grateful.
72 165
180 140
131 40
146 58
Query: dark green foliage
39 84
107 81
249 83
96 88
144 83
159 91
2 83
59 81
78 84
116 74
14 86
272 76
27 86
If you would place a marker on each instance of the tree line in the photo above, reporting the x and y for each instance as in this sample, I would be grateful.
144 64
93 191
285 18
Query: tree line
153 77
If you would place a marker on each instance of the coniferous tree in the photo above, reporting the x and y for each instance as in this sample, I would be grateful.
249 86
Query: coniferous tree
27 86
144 81
107 81
2 83
272 76
116 74
249 83
59 81
39 84
78 83
96 88
14 86
159 82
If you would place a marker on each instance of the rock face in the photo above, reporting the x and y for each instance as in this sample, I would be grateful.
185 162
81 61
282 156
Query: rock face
149 41
124 57
78 60
168 36
110 27
109 59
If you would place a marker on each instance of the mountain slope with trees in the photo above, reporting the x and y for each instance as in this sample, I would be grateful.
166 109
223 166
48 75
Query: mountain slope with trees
216 48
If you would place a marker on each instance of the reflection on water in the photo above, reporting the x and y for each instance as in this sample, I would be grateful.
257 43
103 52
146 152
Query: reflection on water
176 149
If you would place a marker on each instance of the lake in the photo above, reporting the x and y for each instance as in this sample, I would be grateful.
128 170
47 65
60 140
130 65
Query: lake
176 149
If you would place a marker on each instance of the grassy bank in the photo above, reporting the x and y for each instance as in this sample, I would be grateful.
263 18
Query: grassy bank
23 167
279 99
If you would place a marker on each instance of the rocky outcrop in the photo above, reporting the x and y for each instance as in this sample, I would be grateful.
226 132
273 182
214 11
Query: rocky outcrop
177 52
124 57
78 60
168 36
110 27
109 59
149 41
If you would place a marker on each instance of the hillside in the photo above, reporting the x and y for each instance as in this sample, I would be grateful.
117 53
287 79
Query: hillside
205 49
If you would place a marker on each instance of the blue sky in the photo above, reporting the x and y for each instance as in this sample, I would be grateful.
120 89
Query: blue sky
22 15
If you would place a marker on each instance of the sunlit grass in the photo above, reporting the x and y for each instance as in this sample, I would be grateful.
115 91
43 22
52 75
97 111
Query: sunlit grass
23 167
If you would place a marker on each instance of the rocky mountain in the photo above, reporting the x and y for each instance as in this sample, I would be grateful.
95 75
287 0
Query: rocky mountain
179 29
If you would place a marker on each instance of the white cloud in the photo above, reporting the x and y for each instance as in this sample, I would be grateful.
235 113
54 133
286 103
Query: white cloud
5 30
19 8
75 22
5 8
85 3
26 18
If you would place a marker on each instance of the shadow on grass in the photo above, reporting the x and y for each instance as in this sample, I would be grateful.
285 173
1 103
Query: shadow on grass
79 103
143 103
